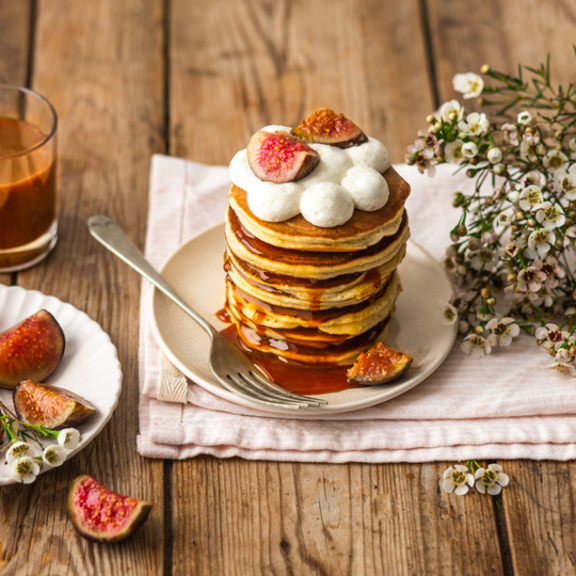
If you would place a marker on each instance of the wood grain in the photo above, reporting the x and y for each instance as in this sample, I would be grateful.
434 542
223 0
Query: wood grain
15 27
541 516
502 33
235 67
101 65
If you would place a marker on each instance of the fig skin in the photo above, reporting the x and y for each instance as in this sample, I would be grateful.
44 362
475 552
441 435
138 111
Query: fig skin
100 515
31 349
279 157
381 364
326 127
50 406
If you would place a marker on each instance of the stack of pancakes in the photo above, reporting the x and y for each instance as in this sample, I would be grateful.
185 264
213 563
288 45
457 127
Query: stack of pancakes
309 294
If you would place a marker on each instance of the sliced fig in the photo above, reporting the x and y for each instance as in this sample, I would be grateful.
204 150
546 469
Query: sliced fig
379 365
50 406
31 349
326 127
101 515
279 157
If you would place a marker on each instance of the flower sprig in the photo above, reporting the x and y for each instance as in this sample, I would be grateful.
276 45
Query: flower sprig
460 477
25 451
512 249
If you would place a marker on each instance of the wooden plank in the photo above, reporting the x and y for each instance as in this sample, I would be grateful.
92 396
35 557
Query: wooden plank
541 516
101 65
259 518
502 33
15 28
235 67
539 506
14 45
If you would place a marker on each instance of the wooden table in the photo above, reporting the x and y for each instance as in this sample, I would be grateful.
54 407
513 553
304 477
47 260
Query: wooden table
195 78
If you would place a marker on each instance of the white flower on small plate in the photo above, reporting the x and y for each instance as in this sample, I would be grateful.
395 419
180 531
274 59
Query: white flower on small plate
531 197
524 118
457 479
491 479
555 160
475 345
54 455
540 241
470 84
451 111
550 215
453 152
565 182
68 438
25 470
20 450
475 125
502 331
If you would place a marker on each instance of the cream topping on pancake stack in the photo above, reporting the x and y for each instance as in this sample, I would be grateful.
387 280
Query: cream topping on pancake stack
315 230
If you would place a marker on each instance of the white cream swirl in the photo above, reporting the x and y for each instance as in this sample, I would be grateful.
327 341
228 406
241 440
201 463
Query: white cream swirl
345 178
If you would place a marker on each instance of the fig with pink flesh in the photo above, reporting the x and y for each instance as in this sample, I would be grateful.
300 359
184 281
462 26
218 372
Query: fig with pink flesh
101 515
31 349
326 127
279 157
50 406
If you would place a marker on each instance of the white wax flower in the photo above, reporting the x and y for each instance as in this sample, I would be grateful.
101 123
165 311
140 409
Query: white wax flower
470 84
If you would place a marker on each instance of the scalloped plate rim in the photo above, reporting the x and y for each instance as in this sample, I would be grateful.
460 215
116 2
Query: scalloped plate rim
115 365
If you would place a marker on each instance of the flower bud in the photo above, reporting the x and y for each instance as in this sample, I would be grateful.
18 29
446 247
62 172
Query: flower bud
559 243
479 330
572 350
531 223
559 147
511 277
559 134
514 228
480 101
470 173
491 301
462 231
530 130
433 129
485 69
499 168
488 201
410 160
485 292
430 119
457 199
519 216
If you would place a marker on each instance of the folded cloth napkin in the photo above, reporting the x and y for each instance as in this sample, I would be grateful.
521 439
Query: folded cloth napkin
501 406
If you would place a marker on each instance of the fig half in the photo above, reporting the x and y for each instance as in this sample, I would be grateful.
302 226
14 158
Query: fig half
101 515
379 365
31 349
50 406
326 127
279 157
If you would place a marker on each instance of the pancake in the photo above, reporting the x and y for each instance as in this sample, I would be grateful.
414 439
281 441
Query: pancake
342 354
351 320
305 264
300 293
363 230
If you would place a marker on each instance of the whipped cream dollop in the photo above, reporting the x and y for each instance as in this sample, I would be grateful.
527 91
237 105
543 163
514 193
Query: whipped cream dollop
345 178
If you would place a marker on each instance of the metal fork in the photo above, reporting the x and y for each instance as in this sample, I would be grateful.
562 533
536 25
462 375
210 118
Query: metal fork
228 364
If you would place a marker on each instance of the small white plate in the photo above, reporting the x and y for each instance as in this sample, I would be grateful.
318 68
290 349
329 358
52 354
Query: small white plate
195 272
90 366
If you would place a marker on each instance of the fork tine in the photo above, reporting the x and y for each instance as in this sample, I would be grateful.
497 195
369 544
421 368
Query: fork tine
242 390
271 393
274 387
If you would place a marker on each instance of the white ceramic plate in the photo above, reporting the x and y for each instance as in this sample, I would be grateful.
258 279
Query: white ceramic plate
90 366
195 271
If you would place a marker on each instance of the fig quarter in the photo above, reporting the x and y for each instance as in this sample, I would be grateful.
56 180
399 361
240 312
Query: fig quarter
31 349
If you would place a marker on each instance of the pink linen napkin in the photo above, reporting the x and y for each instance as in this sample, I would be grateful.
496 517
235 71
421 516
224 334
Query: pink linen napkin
501 406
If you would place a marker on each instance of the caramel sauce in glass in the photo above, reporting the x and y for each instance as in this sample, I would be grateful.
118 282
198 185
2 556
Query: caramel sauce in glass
27 187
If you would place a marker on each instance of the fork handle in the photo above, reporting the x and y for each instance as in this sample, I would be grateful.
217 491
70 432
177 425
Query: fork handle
108 233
